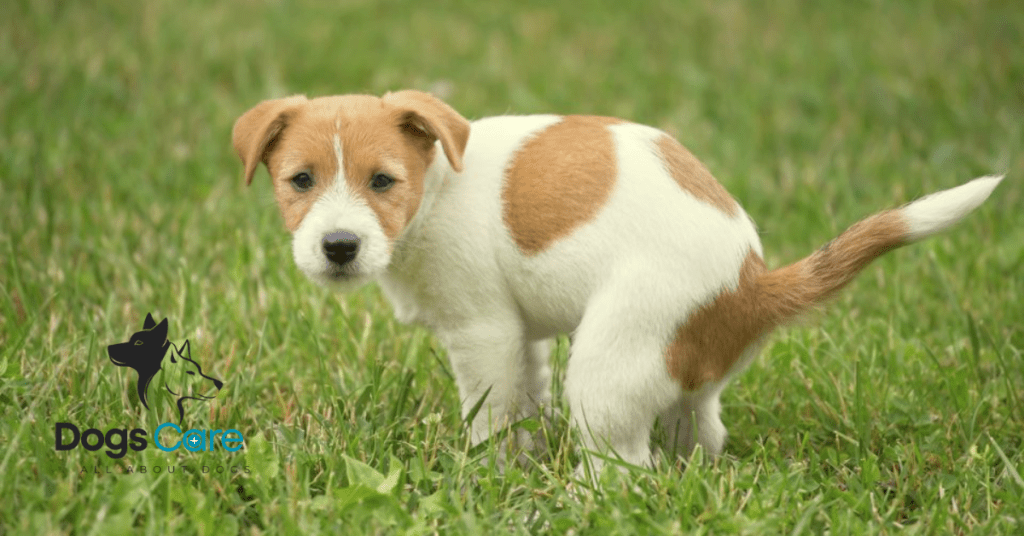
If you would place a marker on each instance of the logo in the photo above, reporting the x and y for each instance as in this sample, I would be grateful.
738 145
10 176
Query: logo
145 351
149 352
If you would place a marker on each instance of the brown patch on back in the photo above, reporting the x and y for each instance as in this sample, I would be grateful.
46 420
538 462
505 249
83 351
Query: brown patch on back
714 337
693 177
558 180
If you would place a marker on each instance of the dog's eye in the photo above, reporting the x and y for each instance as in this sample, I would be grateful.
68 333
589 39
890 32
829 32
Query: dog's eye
380 183
302 182
138 343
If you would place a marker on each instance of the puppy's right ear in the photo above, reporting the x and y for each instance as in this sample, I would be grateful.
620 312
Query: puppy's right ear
256 130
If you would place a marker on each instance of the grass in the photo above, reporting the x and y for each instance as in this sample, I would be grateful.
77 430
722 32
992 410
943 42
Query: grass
898 409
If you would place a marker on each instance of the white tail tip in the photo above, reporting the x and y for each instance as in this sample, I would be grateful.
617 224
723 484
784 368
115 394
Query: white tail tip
936 212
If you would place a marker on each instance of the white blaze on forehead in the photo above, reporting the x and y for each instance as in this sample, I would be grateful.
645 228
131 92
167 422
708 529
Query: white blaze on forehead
337 151
390 165
339 209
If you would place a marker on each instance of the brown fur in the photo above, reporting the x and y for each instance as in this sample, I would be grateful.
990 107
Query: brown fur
712 340
394 135
255 131
693 177
714 337
558 180
302 145
433 118
793 289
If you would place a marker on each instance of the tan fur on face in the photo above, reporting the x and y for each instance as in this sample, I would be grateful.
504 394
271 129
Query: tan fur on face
255 131
558 180
303 145
713 339
393 135
693 177
368 149
423 114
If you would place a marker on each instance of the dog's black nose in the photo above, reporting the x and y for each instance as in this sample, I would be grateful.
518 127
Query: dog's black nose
341 247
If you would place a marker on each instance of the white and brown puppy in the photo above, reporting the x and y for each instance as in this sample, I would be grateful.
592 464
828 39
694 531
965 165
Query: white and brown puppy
502 233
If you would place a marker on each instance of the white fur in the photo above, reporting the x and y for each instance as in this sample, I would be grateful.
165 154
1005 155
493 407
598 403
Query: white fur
336 210
493 307
446 274
621 284
938 211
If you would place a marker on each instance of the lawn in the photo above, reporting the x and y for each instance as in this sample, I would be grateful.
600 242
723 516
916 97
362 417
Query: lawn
900 407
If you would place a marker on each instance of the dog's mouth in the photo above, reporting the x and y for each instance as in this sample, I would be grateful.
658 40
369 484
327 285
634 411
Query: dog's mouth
333 273
339 273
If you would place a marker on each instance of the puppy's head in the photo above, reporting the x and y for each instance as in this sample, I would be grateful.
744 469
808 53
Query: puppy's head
348 172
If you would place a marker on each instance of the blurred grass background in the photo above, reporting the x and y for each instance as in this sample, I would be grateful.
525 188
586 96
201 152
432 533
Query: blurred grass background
900 408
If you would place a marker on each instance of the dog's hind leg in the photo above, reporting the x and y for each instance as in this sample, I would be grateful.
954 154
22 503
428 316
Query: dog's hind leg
617 381
694 419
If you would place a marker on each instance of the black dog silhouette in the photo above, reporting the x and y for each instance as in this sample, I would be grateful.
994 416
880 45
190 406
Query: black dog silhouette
145 352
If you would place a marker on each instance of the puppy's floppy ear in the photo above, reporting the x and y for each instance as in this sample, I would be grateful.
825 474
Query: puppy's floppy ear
430 119
257 129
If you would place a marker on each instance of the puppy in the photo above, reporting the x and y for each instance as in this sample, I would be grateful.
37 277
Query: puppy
502 233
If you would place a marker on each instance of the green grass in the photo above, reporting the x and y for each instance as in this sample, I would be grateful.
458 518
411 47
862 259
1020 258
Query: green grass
900 408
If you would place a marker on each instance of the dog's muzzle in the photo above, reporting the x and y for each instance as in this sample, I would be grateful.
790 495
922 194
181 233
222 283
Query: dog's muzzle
340 247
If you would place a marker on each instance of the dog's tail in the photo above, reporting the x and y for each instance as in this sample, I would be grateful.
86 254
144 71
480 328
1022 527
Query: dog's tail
788 291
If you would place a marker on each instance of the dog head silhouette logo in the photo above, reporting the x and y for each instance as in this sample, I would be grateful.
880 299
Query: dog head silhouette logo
145 352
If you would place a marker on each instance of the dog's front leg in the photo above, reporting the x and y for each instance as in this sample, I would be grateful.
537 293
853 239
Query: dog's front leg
493 363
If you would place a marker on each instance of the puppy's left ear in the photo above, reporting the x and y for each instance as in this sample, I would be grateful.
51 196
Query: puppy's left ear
257 129
429 119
